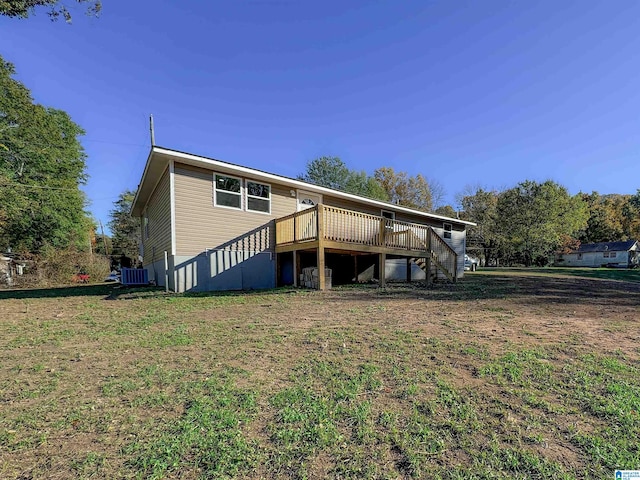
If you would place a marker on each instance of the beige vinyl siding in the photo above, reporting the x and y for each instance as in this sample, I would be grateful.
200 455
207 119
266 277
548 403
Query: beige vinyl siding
400 216
350 205
200 225
159 213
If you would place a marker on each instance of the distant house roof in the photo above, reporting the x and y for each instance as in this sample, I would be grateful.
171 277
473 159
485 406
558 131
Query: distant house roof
606 247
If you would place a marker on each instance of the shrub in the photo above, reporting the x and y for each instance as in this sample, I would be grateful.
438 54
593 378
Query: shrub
62 267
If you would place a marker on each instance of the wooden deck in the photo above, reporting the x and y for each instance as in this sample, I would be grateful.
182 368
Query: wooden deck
324 228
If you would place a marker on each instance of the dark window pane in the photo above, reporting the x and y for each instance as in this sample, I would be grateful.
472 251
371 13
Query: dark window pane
258 204
227 183
258 189
228 199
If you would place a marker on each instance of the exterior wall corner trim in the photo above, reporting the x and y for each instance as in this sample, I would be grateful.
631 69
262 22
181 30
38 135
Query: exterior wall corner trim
172 193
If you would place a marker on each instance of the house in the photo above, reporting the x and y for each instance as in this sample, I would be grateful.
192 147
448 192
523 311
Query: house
212 225
605 254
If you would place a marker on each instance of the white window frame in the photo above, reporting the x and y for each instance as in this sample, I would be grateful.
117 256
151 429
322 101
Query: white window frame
304 193
246 189
449 231
215 191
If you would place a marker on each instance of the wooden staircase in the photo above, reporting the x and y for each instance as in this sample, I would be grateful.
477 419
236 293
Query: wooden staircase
431 270
442 261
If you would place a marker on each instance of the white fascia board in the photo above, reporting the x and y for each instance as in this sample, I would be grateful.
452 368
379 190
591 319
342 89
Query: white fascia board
257 174
144 175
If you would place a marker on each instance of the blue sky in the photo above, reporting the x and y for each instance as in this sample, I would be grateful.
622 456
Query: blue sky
467 93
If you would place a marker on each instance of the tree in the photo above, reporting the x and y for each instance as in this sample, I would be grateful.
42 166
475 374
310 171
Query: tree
125 229
331 172
606 221
631 217
480 206
535 219
359 183
402 189
24 8
42 165
446 211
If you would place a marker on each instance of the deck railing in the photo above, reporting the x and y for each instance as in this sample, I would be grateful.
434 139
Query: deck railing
351 227
444 255
301 226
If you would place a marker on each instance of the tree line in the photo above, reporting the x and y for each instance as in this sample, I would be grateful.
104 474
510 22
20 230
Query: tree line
524 225
42 169
529 223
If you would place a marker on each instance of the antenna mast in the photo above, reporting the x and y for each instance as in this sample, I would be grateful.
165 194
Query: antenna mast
153 136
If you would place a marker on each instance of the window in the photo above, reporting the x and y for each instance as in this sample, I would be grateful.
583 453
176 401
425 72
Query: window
388 214
605 254
227 191
258 197
447 230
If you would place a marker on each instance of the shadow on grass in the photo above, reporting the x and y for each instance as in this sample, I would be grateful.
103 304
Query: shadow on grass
532 287
550 286
108 290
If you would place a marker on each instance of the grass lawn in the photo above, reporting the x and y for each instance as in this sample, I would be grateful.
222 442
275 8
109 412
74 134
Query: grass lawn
621 274
505 375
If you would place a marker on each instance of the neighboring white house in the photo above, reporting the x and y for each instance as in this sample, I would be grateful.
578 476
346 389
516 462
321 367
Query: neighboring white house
605 254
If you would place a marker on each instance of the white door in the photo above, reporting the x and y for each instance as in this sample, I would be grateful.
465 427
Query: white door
307 200
306 225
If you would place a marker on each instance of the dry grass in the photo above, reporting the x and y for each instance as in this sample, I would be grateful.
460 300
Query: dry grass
500 376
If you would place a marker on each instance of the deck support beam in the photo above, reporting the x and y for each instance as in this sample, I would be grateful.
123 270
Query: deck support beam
383 270
408 269
321 278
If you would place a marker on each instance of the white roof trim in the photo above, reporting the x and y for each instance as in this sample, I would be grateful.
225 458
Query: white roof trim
217 164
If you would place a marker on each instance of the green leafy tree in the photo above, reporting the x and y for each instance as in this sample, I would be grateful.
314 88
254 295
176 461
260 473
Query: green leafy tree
631 217
403 189
484 239
55 8
125 229
606 221
535 219
331 172
103 244
446 211
359 183
42 165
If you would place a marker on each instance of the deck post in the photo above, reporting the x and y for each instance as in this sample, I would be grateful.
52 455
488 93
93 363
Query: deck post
408 270
355 268
320 230
428 260
295 230
166 271
383 229
383 273
295 268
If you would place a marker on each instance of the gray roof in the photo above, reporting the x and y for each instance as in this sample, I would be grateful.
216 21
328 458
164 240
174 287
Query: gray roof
606 247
